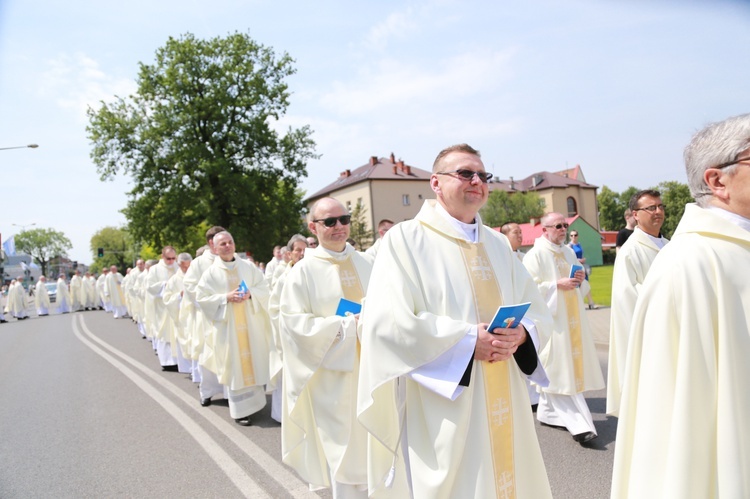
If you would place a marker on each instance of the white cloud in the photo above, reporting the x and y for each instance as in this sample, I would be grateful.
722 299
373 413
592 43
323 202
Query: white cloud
75 82
391 82
396 25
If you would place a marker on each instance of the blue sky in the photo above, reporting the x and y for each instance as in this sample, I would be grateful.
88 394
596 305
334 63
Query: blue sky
615 86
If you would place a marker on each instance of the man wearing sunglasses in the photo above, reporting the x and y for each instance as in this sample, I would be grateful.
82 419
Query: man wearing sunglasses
631 266
683 428
444 398
570 356
321 438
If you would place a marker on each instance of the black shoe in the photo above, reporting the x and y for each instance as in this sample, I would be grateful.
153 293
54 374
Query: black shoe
172 368
206 402
585 437
3 321
534 408
243 421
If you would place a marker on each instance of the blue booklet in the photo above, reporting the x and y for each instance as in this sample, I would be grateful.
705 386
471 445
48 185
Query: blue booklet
573 269
242 288
509 316
348 307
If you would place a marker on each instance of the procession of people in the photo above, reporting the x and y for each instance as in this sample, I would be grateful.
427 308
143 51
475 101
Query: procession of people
388 378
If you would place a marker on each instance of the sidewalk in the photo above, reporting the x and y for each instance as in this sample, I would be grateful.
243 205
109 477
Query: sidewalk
599 320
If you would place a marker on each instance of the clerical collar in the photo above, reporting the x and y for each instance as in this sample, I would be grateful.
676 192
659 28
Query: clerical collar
736 219
335 254
469 230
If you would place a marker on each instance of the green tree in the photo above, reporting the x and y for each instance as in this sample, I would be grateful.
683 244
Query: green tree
43 245
359 231
674 196
118 247
612 207
199 140
519 207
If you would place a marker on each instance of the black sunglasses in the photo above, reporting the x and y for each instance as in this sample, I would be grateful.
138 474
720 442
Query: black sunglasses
558 226
469 175
331 221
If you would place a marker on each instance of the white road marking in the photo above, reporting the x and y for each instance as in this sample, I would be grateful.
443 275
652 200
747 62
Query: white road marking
243 481
293 485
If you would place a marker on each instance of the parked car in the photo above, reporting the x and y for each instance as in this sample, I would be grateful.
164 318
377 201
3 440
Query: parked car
51 291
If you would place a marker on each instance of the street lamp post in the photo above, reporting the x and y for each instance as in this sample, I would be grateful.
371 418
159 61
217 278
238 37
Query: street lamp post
32 146
23 227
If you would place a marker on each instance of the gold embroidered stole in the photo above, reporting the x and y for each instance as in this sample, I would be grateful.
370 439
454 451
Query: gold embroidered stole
350 284
574 322
487 298
241 331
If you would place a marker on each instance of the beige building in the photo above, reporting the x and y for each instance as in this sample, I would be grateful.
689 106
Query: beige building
386 188
391 189
565 192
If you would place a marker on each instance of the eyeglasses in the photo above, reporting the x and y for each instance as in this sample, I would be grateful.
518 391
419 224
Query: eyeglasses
468 175
558 226
574 235
331 221
730 163
652 208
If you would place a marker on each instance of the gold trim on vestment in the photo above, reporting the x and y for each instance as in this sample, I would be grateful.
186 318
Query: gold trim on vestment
574 322
487 298
242 332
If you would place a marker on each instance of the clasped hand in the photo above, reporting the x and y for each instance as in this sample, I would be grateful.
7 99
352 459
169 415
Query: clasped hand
237 296
568 283
498 346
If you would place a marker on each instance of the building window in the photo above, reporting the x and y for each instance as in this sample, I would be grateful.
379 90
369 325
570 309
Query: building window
572 207
405 200
349 206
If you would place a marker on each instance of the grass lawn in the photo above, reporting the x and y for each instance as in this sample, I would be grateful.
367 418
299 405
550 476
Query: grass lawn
601 284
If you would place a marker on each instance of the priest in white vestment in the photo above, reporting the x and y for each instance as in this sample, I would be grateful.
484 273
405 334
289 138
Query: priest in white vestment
41 297
102 291
631 266
296 248
62 300
383 226
683 426
570 357
173 294
320 435
18 300
113 283
275 261
88 289
75 292
129 288
161 326
202 334
146 305
233 295
443 398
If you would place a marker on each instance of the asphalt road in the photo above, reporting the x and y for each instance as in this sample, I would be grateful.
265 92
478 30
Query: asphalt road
86 411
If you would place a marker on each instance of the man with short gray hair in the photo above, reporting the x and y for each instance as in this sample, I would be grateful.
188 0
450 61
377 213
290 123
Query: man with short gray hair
682 430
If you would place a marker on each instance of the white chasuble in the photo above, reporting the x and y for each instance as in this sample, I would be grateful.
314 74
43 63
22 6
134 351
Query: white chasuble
428 289
631 266
570 357
683 425
242 330
321 367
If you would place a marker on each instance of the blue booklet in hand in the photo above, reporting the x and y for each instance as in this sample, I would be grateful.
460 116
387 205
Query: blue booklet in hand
242 288
509 316
348 307
573 269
